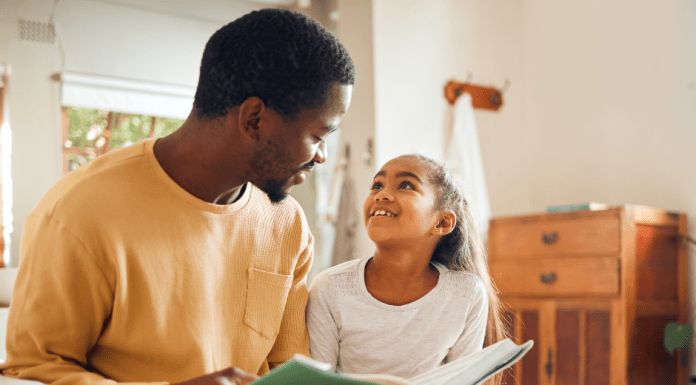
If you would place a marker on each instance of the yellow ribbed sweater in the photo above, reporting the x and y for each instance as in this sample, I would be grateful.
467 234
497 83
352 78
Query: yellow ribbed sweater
125 273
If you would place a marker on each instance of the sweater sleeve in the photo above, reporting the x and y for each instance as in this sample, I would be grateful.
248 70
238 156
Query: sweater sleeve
321 324
61 302
471 339
292 336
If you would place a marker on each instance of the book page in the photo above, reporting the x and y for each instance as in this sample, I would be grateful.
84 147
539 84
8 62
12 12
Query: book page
14 381
382 379
502 365
476 367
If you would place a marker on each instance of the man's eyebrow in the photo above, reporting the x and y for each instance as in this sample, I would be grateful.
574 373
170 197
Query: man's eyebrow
330 129
401 174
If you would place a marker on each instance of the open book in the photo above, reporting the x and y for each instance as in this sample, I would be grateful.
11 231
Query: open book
472 369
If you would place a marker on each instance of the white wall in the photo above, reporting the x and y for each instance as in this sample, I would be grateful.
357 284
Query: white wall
419 46
608 104
415 55
355 26
108 39
153 40
34 110
490 37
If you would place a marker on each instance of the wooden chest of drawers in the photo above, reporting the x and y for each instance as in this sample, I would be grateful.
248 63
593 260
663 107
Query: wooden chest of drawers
595 290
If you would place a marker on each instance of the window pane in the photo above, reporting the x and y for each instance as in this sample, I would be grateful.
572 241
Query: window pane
86 128
92 131
130 129
77 160
166 126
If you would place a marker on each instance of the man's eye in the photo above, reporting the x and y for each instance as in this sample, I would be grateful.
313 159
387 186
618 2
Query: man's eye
320 140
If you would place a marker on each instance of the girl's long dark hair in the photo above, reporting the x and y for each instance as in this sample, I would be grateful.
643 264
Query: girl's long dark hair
463 248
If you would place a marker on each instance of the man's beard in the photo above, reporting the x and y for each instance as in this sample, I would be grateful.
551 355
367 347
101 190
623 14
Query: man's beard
268 161
275 189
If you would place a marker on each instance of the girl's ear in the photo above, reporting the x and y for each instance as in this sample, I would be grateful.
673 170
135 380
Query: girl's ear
446 223
251 112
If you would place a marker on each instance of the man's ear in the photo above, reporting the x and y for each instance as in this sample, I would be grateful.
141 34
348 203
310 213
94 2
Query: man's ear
251 113
446 223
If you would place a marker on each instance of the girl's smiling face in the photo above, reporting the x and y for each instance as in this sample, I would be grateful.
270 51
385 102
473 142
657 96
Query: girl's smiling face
401 203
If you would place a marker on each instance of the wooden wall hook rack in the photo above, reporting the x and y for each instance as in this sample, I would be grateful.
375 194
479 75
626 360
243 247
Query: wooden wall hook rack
489 98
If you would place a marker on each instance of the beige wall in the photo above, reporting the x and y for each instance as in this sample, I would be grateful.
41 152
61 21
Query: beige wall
608 104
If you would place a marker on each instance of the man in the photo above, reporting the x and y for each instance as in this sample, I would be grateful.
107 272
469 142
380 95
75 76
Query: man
179 260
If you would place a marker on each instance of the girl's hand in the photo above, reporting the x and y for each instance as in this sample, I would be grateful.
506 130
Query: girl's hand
229 376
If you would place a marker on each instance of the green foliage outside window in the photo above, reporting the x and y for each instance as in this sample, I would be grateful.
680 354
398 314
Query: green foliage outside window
94 132
134 128
86 126
77 160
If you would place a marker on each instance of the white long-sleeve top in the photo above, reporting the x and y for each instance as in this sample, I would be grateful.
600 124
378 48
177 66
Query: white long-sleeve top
356 333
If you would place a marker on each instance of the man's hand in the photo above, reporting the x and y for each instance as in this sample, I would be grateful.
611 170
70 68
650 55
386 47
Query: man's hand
229 376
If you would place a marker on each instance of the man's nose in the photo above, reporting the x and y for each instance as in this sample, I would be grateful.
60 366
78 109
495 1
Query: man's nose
321 154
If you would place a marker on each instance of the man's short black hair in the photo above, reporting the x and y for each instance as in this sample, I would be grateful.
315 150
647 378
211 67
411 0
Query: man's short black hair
283 57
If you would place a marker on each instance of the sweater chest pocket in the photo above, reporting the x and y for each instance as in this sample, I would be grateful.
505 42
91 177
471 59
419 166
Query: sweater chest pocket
267 294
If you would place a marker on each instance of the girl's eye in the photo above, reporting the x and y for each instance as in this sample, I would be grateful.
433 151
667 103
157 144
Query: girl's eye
320 140
407 185
376 186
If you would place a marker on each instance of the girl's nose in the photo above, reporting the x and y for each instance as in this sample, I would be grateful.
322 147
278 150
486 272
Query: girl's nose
383 195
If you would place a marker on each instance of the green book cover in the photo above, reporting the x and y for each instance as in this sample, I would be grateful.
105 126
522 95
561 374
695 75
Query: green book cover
299 371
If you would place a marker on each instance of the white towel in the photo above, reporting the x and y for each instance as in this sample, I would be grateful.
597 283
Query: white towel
347 223
463 155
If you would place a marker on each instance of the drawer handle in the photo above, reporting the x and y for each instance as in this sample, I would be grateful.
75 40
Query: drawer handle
548 278
550 238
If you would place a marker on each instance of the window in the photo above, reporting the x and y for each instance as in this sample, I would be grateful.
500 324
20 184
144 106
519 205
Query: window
88 133
5 180
103 113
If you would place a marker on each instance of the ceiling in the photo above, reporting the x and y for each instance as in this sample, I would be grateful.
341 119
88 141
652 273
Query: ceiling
219 11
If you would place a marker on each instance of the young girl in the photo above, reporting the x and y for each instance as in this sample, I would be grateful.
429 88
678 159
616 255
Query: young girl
424 298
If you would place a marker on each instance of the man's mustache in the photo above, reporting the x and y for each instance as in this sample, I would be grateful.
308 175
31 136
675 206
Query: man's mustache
307 167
